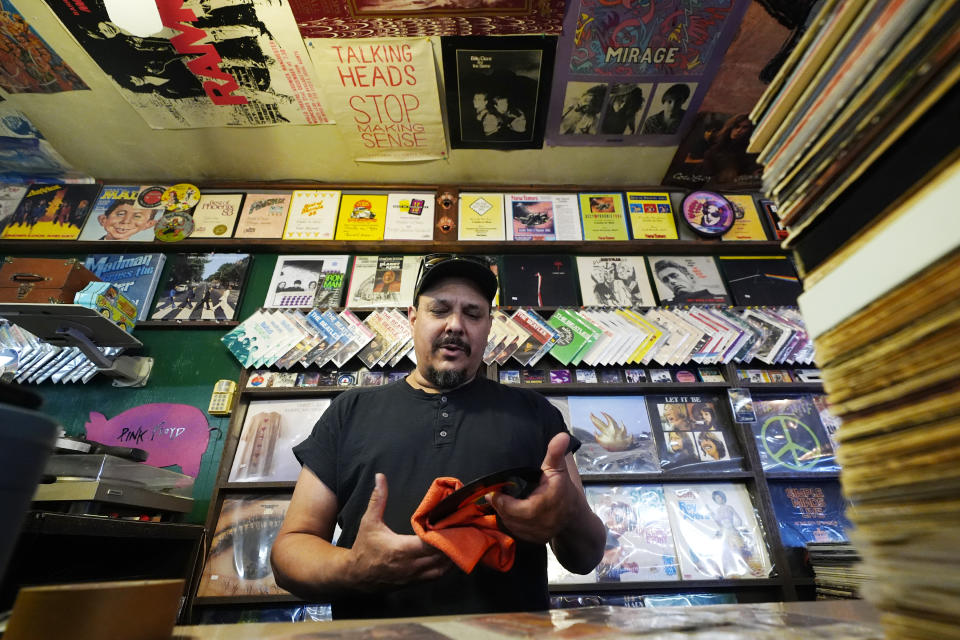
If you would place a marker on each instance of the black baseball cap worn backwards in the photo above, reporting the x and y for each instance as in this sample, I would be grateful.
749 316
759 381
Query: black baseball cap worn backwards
438 266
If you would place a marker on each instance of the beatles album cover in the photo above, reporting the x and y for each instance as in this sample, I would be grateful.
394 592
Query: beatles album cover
639 540
238 563
692 434
790 436
202 286
716 532
271 428
615 435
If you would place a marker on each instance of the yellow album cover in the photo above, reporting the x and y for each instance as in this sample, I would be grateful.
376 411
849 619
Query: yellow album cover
651 215
603 216
481 217
362 216
746 224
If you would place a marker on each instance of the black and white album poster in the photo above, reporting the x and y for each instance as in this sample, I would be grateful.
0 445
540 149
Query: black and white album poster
497 90
215 63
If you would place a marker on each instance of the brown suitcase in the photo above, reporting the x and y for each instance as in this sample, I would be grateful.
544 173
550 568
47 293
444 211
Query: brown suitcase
43 279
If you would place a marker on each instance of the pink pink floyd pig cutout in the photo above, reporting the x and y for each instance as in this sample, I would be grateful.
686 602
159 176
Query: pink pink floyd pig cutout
169 433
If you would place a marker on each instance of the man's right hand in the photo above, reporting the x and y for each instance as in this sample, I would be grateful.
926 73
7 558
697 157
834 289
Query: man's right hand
382 558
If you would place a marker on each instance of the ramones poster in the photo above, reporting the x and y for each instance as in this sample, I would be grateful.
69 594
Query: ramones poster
215 63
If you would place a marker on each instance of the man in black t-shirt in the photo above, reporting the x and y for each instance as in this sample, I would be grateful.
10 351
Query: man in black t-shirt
443 420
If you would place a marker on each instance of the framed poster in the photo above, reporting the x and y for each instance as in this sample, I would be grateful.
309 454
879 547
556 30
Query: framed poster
497 90
636 73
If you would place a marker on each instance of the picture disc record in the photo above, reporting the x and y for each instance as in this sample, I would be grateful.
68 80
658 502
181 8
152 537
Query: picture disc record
708 214
518 483
173 227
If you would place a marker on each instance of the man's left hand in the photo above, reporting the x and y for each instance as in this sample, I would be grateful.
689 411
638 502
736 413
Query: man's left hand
553 504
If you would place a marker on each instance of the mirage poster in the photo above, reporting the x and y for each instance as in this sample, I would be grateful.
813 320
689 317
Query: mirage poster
215 63
634 73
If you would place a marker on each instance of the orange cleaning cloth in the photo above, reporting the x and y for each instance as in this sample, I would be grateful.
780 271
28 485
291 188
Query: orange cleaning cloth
468 535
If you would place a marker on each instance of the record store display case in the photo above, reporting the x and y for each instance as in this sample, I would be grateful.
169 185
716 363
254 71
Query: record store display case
258 487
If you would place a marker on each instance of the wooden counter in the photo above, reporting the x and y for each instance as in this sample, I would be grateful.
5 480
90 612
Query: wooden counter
821 620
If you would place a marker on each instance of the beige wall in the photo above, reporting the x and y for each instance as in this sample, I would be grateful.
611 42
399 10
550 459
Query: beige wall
99 133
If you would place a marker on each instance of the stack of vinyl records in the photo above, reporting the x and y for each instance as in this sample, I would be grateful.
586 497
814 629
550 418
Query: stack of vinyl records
858 136
863 108
836 570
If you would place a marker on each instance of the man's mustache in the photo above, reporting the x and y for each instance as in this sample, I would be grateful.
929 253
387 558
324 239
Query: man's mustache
443 341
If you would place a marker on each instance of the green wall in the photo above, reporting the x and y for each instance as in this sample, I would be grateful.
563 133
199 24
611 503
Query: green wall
187 363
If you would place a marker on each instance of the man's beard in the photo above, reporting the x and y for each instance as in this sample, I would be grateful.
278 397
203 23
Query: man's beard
449 378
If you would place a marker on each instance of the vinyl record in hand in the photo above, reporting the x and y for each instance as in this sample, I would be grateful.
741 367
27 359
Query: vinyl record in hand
708 214
518 483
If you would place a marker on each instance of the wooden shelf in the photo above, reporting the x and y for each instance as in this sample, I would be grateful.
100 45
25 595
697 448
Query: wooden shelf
275 245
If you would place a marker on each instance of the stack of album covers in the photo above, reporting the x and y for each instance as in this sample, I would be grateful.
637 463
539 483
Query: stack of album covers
392 340
284 337
717 532
701 335
524 336
238 563
891 373
270 430
26 359
836 569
